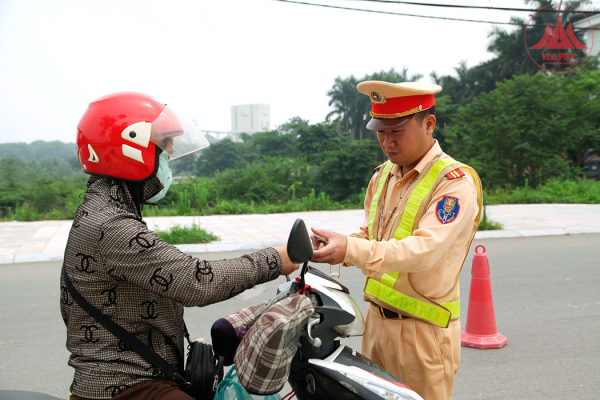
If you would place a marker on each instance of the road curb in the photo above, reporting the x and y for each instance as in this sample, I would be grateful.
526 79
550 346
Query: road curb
216 247
500 234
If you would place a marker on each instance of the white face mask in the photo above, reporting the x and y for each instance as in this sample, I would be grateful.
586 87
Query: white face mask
164 175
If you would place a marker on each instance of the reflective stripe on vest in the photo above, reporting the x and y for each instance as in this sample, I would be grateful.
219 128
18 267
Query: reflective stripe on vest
382 180
420 309
384 290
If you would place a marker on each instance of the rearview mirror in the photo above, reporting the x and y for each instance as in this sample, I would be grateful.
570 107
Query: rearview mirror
299 247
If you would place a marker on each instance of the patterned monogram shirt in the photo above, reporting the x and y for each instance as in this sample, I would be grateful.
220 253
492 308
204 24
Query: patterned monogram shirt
141 283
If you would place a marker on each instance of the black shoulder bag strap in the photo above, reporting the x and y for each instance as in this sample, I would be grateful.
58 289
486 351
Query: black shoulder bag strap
134 343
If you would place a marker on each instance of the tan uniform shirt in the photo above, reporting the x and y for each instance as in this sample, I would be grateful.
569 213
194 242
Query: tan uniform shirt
435 252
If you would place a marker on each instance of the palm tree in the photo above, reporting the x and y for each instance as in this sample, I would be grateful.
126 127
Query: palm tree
352 108
342 95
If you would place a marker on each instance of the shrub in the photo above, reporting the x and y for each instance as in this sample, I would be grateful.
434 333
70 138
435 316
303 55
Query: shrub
184 235
346 171
488 225
580 191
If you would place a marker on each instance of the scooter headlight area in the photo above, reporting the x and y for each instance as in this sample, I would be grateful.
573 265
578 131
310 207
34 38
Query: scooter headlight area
339 295
382 388
387 392
354 328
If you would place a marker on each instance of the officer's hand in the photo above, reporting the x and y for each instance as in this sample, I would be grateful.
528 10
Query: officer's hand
332 252
288 265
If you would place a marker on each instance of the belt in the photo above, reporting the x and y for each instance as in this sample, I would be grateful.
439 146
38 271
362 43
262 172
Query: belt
385 313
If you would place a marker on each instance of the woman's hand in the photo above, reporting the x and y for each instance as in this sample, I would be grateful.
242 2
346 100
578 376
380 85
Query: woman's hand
288 265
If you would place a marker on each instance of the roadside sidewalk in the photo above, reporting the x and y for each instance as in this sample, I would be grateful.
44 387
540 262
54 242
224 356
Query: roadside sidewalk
46 240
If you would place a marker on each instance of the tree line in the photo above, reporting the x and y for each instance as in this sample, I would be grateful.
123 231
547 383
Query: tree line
519 126
516 123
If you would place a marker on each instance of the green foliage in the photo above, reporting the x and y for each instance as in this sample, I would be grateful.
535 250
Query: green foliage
14 169
226 154
274 144
531 127
314 202
42 198
311 202
446 111
579 97
488 225
578 191
271 185
523 129
292 125
184 235
266 180
39 150
222 155
346 170
316 139
185 165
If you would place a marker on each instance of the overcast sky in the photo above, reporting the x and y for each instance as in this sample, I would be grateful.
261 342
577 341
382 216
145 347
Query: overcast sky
205 56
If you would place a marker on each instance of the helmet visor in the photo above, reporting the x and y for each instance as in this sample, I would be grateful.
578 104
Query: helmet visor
176 134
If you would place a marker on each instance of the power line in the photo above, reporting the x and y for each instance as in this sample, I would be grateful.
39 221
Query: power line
568 9
414 15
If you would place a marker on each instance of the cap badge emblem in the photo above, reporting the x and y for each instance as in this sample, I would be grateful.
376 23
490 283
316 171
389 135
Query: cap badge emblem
377 98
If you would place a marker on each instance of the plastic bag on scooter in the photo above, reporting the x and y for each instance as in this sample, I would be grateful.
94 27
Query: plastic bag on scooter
264 356
230 388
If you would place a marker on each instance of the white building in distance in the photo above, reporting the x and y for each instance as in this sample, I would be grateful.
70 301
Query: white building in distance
249 118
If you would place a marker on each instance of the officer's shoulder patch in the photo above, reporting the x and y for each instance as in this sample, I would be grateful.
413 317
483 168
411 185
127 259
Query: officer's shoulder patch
457 173
447 209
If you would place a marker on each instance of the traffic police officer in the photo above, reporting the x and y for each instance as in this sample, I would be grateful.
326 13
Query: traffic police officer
422 209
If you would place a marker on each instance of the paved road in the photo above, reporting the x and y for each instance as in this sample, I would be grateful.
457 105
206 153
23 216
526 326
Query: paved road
546 294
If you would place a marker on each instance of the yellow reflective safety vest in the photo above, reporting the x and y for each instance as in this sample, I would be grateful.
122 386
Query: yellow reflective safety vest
394 291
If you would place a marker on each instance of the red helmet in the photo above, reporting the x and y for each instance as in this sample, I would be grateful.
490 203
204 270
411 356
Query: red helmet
118 135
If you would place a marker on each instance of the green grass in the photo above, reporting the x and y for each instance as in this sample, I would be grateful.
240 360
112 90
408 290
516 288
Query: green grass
487 225
184 235
201 197
578 191
312 202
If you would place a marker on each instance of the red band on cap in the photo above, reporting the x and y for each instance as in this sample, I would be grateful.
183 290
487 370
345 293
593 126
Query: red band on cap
396 105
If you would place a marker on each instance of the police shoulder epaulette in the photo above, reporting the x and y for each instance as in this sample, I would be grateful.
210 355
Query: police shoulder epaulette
457 173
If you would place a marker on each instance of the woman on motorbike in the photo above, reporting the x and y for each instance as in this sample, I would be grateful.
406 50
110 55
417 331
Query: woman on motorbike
125 141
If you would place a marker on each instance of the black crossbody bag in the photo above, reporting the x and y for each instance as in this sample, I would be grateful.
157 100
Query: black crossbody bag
203 371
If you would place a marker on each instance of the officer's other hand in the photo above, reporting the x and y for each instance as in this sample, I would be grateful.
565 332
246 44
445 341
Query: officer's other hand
332 252
288 265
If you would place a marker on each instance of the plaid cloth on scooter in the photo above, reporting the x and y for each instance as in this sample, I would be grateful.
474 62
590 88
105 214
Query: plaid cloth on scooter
264 357
228 332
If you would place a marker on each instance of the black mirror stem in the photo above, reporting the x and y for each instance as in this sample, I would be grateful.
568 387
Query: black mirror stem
302 273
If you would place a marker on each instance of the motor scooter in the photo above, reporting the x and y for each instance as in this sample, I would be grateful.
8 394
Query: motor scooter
322 368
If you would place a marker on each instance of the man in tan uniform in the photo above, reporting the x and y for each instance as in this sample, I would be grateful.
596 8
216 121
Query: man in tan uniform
422 210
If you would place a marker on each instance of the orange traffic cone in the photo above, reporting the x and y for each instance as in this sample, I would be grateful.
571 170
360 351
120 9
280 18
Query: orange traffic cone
481 330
